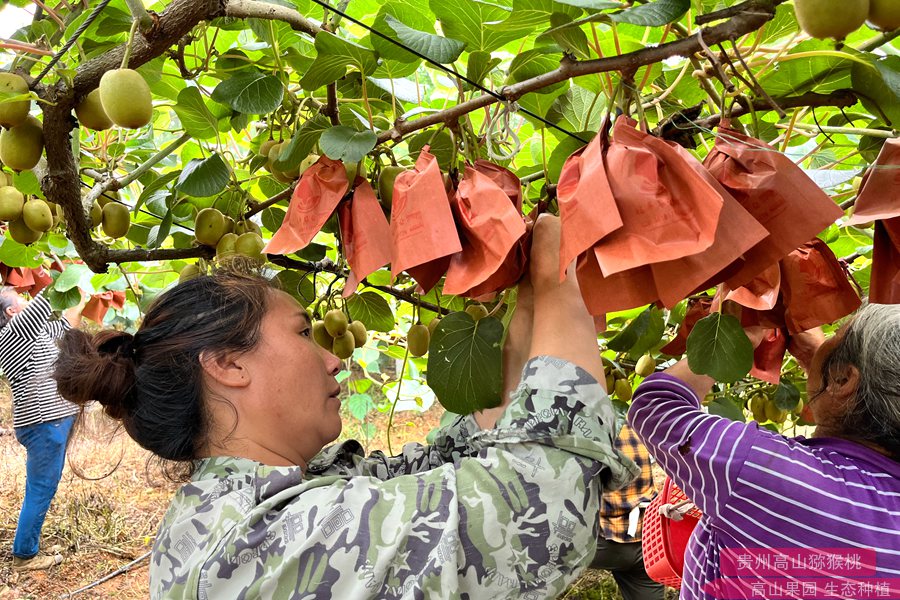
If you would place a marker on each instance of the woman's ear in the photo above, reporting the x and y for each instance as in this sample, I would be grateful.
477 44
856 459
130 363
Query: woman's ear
225 368
844 382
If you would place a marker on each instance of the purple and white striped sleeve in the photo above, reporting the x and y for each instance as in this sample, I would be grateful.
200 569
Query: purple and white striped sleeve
702 453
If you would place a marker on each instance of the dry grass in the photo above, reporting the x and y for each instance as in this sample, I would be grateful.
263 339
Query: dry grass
103 523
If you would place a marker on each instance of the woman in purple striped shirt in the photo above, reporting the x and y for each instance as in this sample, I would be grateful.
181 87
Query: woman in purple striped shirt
791 517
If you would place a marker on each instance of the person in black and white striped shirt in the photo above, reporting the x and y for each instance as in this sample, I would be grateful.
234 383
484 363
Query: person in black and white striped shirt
42 419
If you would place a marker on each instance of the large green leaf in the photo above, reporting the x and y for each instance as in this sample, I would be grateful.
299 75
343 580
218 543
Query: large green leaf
333 56
436 47
653 14
879 87
718 347
479 65
74 276
642 334
346 144
250 92
302 143
194 114
204 177
532 63
373 310
412 14
822 70
14 254
464 363
469 21
578 110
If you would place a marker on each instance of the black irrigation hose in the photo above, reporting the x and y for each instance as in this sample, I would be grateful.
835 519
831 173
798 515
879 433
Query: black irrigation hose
447 69
71 41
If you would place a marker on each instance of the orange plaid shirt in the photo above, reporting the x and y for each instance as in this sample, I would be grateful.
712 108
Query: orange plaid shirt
616 506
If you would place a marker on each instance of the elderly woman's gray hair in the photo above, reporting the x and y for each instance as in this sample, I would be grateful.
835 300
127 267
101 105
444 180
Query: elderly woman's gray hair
871 343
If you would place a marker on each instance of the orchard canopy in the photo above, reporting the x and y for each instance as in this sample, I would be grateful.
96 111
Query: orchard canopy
381 159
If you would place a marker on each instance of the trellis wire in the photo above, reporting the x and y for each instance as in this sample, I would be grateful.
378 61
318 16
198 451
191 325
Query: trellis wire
71 41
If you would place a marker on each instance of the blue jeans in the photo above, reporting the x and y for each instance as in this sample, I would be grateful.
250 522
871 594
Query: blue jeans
45 447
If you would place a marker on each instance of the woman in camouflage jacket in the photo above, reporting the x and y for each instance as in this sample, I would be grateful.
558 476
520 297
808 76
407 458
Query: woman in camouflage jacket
223 374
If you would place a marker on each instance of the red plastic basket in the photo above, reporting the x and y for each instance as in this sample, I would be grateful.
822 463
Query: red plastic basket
664 541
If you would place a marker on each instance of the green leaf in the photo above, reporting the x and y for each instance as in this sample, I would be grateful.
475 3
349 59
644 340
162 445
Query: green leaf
360 405
880 87
251 92
479 65
60 301
823 71
194 114
464 363
532 63
718 347
436 47
373 310
593 4
27 183
654 14
302 143
570 39
158 233
346 144
204 177
75 276
413 14
787 396
155 191
333 56
644 332
728 407
468 21
563 151
441 146
578 109
299 285
14 254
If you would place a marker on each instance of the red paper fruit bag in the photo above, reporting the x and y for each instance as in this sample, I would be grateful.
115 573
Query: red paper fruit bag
815 288
490 228
96 307
513 267
769 356
737 232
365 234
587 209
620 291
318 193
775 191
423 234
668 209
884 286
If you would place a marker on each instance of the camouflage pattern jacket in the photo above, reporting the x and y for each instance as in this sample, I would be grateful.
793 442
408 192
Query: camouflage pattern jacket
509 512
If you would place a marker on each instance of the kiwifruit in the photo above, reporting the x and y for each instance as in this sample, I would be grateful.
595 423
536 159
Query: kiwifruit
884 14
115 219
775 414
610 383
13 113
96 213
433 324
107 197
477 311
56 211
23 234
247 226
90 112
623 390
37 215
21 146
645 366
307 163
358 329
335 322
250 245
418 339
209 226
321 336
829 19
11 203
343 345
758 407
225 247
229 224
126 98
386 184
5 179
190 271
265 147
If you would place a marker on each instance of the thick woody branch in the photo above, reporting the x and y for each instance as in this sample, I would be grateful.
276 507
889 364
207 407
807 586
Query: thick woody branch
748 17
142 255
263 10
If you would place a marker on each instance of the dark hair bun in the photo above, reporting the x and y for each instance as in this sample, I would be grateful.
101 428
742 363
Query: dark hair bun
99 367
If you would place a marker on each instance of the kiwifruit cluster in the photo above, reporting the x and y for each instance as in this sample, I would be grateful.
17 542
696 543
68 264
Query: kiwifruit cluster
338 335
831 19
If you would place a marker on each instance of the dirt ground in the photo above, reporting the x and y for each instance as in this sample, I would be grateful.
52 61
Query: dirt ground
112 497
